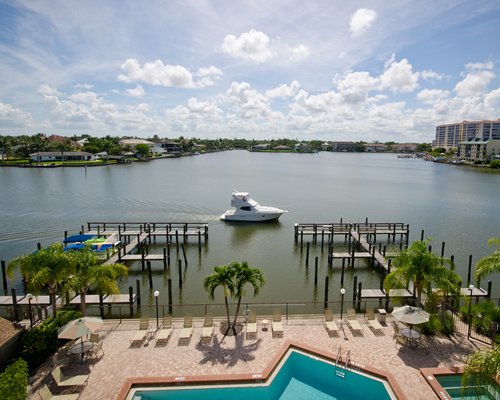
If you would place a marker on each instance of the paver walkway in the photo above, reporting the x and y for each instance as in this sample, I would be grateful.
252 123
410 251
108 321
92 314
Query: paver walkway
237 355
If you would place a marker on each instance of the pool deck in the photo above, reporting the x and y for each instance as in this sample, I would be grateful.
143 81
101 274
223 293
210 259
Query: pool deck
112 372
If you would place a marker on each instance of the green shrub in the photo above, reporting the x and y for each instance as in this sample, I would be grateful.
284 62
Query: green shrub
432 326
41 342
14 381
495 164
484 316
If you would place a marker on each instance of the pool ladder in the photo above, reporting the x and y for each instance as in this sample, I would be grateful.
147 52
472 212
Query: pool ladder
340 370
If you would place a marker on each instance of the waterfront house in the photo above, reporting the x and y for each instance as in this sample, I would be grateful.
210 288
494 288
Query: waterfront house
404 147
260 147
375 147
343 146
477 149
168 147
51 156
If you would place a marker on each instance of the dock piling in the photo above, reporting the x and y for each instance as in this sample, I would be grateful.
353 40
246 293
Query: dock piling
150 275
307 253
138 290
325 305
316 271
180 274
4 278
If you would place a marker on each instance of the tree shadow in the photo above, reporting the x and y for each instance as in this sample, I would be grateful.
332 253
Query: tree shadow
215 353
437 352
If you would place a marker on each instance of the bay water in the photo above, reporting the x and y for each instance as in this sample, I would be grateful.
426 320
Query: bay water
455 204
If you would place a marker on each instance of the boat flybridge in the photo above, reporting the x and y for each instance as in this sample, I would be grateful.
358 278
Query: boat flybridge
247 209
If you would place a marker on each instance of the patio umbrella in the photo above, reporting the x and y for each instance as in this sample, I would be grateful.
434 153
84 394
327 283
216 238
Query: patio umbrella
410 315
79 328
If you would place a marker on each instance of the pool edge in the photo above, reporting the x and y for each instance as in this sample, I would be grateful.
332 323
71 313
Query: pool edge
267 372
429 375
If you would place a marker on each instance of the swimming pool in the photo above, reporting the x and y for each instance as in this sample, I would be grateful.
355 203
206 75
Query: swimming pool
298 376
453 386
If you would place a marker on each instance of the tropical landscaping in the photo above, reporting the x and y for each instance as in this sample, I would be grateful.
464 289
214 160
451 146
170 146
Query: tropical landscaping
57 271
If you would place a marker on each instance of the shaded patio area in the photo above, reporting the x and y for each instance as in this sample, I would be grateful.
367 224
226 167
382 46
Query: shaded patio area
237 355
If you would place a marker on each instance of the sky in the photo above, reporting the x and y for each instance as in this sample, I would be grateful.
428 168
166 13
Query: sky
262 69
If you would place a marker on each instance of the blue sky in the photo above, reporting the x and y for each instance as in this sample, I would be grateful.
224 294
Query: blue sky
325 70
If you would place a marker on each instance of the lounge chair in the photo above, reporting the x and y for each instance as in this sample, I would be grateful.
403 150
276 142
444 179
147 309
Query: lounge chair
165 331
330 325
142 333
372 322
251 325
208 328
187 329
45 394
63 380
353 322
277 325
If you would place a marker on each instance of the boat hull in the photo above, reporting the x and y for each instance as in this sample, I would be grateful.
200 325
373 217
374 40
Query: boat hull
264 217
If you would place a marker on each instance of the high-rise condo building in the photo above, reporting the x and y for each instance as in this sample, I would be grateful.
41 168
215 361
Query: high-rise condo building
450 135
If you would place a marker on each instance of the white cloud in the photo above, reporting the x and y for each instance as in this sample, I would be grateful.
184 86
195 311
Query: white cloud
252 45
474 82
479 66
430 75
320 103
86 86
430 95
300 53
45 90
84 97
284 91
156 73
247 102
195 109
492 100
355 86
138 91
14 117
399 76
208 76
361 20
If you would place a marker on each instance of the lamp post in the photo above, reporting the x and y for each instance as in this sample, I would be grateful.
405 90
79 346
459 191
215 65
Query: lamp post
29 297
156 294
471 288
342 293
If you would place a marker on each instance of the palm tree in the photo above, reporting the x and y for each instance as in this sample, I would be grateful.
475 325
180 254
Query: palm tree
222 276
482 368
423 268
47 267
243 275
90 273
488 264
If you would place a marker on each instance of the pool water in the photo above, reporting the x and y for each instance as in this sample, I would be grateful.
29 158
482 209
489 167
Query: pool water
300 377
453 386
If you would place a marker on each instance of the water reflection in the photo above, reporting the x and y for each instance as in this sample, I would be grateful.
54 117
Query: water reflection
242 232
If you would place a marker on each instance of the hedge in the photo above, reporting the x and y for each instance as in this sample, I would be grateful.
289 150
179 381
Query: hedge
14 381
41 342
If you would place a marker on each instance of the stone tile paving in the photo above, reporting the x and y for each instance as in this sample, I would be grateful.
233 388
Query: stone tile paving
237 355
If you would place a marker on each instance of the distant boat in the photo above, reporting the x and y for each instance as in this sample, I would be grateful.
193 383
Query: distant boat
247 209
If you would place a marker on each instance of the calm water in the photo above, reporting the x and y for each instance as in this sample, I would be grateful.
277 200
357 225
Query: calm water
458 205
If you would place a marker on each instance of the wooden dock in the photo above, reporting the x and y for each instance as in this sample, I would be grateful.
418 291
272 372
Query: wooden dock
133 235
371 229
360 238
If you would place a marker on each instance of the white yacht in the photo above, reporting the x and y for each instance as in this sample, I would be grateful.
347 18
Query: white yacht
247 209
